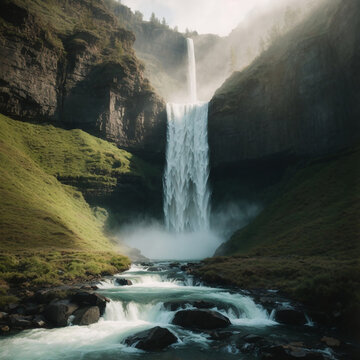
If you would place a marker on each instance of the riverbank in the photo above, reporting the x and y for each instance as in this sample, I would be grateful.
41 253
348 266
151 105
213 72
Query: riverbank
126 314
329 287
25 274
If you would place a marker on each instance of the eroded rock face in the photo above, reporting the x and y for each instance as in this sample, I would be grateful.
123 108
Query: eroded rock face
78 80
298 99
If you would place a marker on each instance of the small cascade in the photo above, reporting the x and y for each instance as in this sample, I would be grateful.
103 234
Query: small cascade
186 192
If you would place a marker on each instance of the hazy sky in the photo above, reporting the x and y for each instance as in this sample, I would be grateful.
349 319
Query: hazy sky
204 16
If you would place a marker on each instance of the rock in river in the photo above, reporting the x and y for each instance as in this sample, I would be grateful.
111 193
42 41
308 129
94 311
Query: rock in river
122 282
200 319
153 339
290 316
86 316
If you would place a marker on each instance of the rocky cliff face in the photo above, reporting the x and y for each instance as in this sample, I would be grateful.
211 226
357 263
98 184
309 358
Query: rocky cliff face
71 63
299 99
162 50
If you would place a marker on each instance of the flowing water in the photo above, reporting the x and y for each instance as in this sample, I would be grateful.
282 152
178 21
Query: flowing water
141 306
186 192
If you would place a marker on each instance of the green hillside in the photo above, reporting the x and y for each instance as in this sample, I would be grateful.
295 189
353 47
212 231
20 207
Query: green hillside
317 213
305 243
50 223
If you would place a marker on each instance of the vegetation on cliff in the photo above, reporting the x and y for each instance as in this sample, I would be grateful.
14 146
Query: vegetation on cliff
48 232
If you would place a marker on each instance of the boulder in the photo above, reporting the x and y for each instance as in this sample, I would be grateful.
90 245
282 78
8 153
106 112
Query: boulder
20 322
154 268
200 319
39 321
33 309
123 282
290 316
85 298
58 312
86 316
154 339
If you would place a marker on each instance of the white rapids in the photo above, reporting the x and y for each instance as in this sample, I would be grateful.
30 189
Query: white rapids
133 309
186 191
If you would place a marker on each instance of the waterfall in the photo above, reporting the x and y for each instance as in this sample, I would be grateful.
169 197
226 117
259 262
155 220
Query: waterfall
191 71
186 192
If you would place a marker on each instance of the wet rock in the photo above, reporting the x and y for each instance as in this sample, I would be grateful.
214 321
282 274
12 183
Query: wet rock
329 341
20 322
84 298
154 268
3 315
123 282
200 319
86 316
58 312
154 339
290 316
174 265
33 309
146 264
289 352
39 321
4 329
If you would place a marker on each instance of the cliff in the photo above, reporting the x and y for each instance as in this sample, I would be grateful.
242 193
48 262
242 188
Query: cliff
298 99
71 63
162 50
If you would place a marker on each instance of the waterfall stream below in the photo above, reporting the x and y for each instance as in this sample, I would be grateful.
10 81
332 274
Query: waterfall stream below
142 306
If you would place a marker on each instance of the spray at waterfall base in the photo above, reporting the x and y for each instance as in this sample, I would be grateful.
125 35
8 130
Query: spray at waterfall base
187 233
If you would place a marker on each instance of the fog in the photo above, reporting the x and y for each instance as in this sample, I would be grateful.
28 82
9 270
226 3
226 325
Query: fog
156 243
252 27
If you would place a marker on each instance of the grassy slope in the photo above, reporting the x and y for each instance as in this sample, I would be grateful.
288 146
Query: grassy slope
42 218
306 242
317 214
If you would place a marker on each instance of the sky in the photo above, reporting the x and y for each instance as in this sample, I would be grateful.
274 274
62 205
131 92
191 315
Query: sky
204 16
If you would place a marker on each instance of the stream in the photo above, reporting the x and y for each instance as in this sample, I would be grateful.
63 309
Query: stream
142 306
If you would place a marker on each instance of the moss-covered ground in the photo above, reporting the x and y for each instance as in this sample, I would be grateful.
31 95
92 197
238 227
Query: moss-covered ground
48 232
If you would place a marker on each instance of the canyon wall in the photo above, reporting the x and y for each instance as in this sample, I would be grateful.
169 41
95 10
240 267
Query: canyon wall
71 63
298 99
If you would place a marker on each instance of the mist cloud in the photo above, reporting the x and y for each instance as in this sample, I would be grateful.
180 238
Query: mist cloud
204 16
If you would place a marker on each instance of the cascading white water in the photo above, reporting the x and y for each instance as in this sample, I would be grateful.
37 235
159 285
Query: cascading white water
191 71
186 192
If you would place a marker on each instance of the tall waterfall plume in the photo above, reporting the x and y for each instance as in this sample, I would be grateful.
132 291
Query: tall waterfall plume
186 191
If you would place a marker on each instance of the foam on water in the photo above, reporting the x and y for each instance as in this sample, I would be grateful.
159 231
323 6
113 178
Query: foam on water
131 310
